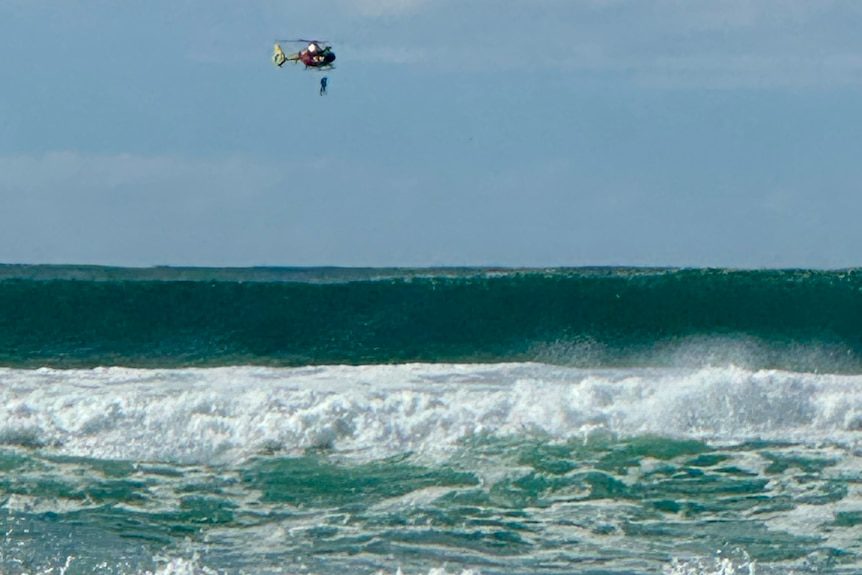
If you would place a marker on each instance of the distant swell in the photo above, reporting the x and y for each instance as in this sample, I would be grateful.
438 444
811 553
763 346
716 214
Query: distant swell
86 317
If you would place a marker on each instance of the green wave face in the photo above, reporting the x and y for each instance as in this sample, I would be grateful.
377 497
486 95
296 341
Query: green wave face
81 317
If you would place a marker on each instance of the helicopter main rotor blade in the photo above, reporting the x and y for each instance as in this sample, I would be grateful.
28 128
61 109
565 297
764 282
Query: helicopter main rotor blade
304 41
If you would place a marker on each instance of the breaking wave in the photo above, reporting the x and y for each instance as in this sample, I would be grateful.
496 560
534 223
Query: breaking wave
79 317
368 412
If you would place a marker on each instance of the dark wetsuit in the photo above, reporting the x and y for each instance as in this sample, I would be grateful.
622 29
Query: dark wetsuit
323 86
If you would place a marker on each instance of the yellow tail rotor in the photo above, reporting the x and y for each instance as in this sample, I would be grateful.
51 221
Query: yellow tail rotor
278 55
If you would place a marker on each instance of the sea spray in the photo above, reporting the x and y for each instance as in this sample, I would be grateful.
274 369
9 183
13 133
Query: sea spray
332 421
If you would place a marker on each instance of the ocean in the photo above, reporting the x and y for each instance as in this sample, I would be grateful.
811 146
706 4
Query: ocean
430 421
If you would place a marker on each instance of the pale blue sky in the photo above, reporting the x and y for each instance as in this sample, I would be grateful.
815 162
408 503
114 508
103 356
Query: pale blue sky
506 132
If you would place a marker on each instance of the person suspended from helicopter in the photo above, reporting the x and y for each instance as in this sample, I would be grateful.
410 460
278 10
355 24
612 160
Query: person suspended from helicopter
316 55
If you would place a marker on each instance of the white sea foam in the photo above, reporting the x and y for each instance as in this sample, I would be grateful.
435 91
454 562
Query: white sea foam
717 566
180 566
226 414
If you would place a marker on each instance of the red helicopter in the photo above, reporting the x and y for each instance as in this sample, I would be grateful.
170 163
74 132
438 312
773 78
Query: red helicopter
316 54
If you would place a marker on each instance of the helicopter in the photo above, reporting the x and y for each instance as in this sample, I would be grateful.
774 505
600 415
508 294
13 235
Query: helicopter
316 55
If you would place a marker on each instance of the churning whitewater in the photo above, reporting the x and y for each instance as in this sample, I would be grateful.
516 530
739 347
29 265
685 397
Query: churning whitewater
228 415
442 422
503 468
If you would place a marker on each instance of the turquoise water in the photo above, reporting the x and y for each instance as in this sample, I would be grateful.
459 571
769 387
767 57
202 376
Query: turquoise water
448 421
85 317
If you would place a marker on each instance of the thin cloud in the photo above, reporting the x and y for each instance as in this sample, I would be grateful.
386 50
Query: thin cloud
729 44
377 8
100 173
750 71
129 209
391 55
